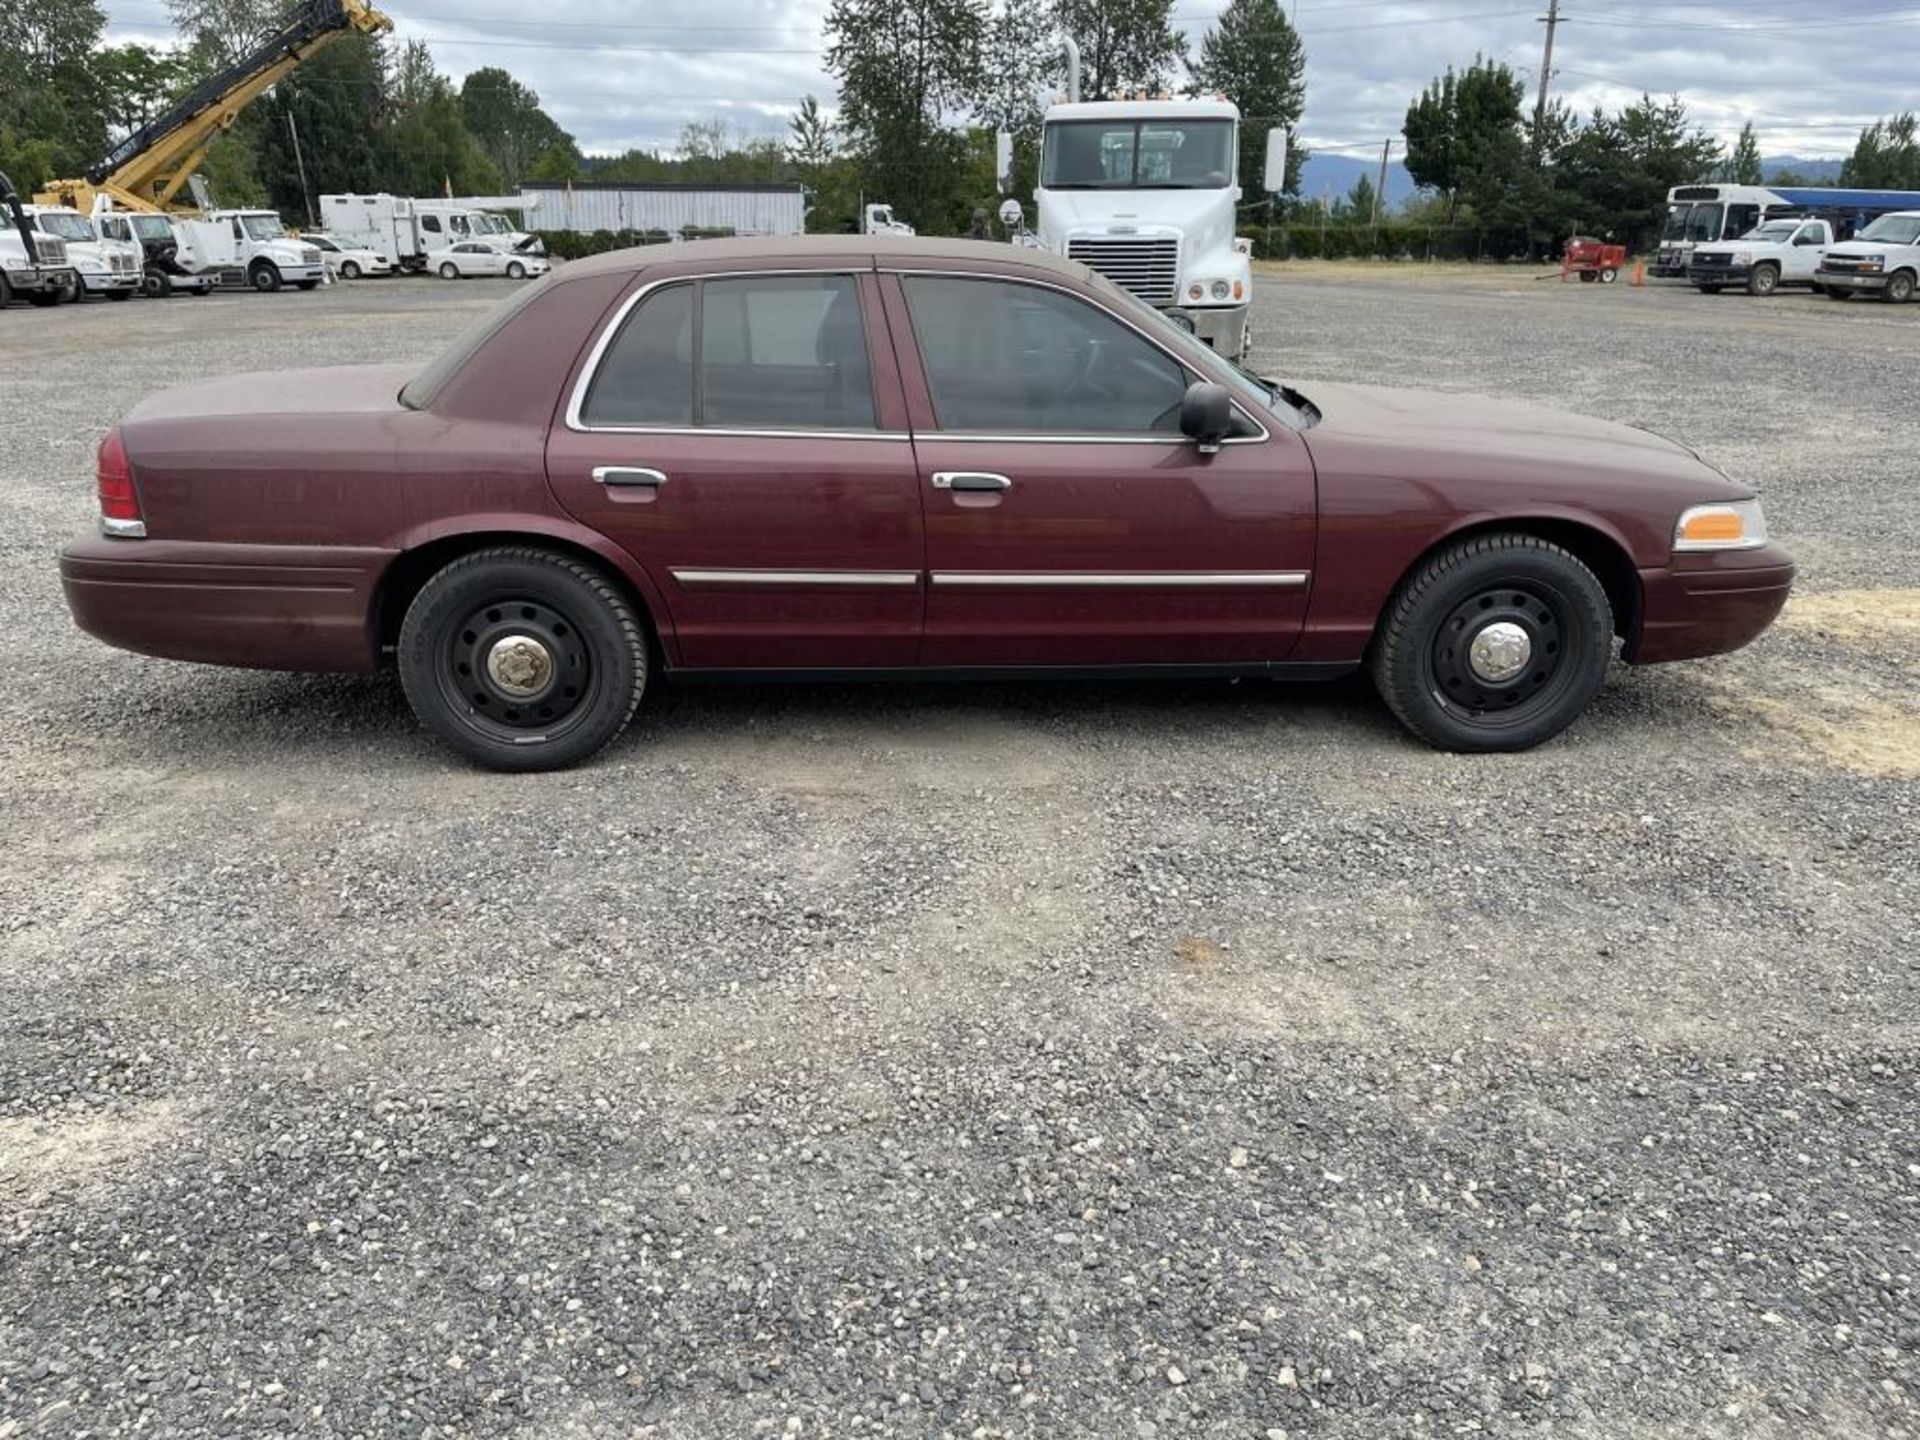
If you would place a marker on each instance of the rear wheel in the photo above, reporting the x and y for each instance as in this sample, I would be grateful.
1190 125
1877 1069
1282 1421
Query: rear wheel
264 277
1587 277
522 659
1900 287
449 271
1497 643
1764 280
1609 275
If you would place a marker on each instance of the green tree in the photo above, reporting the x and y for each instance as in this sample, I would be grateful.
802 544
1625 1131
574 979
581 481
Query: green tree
223 31
1616 169
52 116
903 65
1358 205
1742 166
1125 45
506 118
337 101
1886 156
1254 57
430 151
1464 131
1020 59
137 82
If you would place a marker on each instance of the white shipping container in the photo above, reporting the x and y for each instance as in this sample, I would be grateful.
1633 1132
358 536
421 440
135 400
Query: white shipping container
585 206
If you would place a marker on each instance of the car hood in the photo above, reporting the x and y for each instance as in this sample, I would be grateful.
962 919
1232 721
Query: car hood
344 389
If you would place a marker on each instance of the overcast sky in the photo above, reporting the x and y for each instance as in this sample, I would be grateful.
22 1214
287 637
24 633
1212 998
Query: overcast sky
631 74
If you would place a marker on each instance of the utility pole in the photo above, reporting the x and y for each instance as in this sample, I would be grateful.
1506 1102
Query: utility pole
299 164
1551 20
1380 190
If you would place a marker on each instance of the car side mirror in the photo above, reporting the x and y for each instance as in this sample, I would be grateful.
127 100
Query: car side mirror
1206 415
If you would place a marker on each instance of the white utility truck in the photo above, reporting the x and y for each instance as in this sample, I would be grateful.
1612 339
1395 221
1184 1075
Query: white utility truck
33 264
406 231
1781 252
163 273
1883 259
878 220
249 247
103 267
1145 192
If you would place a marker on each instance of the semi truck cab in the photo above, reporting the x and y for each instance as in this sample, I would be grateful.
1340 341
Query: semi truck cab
250 247
102 266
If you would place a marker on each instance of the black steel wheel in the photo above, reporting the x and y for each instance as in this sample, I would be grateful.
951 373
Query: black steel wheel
153 285
522 659
265 277
1495 644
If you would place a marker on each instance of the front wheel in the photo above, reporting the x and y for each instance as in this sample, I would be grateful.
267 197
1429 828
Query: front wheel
1900 287
1497 643
1609 275
449 271
349 270
516 271
154 285
265 278
1764 280
522 659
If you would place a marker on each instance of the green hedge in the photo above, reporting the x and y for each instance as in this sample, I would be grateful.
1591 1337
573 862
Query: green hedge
573 244
1391 240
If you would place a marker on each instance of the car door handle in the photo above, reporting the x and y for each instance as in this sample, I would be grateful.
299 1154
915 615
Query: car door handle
970 480
629 475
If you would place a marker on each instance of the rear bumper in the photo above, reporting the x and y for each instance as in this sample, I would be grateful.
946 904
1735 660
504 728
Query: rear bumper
1850 280
271 607
1709 603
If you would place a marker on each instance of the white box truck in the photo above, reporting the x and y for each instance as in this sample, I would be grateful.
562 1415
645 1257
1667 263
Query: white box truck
406 231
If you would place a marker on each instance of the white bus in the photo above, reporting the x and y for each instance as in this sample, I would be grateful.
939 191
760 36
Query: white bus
1706 213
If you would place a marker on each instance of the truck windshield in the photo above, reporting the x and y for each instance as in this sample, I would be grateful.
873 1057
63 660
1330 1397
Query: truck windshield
1893 230
262 227
67 227
487 223
1137 155
1777 231
153 227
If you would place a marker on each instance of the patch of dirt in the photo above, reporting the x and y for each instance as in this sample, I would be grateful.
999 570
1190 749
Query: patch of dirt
1196 955
1870 737
1857 617
40 1159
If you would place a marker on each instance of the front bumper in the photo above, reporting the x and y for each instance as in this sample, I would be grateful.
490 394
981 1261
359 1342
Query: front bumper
1223 327
1709 602
1719 274
271 607
1851 279
38 280
190 284
297 274
110 284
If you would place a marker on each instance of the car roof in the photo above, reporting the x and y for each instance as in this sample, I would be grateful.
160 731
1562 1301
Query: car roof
888 250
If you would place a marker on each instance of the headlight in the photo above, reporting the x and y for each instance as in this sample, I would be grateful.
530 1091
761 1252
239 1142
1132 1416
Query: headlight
1730 525
1743 257
1874 262
90 267
1221 289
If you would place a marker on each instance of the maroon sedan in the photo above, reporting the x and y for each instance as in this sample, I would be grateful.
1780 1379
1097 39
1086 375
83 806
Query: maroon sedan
850 456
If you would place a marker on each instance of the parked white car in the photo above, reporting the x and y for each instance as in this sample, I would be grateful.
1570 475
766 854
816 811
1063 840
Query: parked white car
349 261
471 257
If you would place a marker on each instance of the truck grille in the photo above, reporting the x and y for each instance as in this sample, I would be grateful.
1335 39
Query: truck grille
1149 268
309 257
1712 257
1844 263
121 264
50 249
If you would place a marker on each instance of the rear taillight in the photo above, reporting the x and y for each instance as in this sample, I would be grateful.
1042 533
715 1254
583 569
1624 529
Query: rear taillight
119 503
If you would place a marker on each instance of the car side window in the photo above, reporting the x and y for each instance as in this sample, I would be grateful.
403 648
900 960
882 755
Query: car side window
1013 359
782 352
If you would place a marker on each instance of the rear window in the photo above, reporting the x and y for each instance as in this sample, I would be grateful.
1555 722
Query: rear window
420 392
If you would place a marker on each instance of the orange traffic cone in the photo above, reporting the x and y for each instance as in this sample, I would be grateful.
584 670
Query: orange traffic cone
1639 276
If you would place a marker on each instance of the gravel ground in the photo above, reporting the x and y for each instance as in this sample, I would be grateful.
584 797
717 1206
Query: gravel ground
1118 1061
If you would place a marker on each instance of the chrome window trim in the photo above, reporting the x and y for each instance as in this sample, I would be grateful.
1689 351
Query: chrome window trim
1110 439
578 399
796 577
1277 579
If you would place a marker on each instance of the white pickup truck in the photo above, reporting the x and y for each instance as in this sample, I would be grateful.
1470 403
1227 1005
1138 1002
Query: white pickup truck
1786 251
1884 257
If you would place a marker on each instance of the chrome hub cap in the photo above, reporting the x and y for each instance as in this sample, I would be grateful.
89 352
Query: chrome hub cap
1499 652
520 666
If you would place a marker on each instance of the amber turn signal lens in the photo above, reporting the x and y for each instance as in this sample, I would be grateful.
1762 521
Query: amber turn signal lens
1728 525
1712 525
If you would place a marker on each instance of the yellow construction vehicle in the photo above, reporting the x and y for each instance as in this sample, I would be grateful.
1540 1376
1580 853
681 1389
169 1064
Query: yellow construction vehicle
149 169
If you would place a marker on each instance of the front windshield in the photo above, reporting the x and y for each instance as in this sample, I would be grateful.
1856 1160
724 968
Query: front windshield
152 227
485 224
1137 155
1704 223
1893 230
262 227
1256 393
1676 222
1779 231
67 227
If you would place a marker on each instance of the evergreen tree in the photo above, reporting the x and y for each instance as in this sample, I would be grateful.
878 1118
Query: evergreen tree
1743 165
506 118
1125 45
1464 131
1886 156
1254 57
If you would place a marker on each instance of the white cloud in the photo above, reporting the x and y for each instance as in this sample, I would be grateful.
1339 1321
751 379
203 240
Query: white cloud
632 74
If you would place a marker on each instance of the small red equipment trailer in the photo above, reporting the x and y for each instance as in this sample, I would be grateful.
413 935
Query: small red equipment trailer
1593 260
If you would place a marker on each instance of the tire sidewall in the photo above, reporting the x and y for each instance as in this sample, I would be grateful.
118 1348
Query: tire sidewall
1765 280
1404 669
599 615
349 270
449 271
516 271
1898 276
265 278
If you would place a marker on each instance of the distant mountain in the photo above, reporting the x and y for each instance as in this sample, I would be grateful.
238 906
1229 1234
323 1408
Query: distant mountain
1818 172
1333 176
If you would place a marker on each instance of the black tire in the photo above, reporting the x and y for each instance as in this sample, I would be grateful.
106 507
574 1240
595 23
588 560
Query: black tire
1609 275
1763 280
119 294
154 285
264 277
1839 292
516 271
1587 277
6 290
1708 289
349 270
1424 667
449 271
1900 287
46 299
581 628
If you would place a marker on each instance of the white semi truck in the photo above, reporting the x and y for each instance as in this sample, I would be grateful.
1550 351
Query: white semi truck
100 266
1145 192
406 231
249 248
33 265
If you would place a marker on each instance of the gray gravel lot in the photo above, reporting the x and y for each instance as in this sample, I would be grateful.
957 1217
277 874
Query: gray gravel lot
1180 1060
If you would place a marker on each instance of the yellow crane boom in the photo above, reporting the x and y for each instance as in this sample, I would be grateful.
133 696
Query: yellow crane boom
148 169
